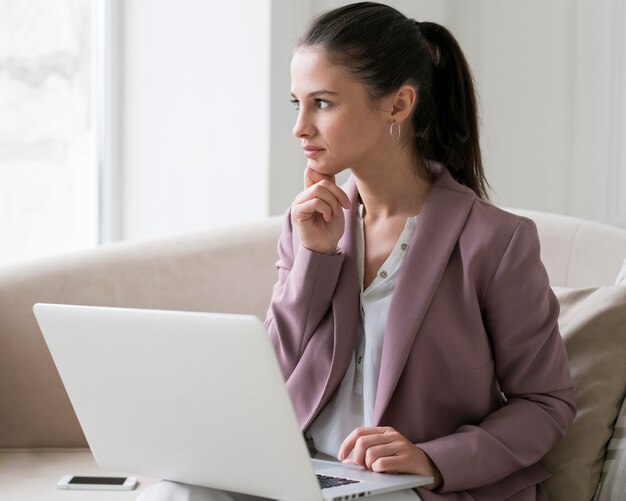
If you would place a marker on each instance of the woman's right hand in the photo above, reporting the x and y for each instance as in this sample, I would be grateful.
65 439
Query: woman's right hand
317 212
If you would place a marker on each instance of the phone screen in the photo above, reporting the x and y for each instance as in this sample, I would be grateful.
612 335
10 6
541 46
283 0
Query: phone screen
98 480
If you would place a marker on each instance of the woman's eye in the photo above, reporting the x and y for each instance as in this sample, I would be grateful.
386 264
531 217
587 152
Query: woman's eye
321 104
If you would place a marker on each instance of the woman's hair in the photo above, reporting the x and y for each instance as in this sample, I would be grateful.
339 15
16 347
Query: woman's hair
384 50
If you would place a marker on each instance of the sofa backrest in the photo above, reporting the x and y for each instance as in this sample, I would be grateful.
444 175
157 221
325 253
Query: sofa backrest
576 252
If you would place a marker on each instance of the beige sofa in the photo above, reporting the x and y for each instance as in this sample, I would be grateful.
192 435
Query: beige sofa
225 270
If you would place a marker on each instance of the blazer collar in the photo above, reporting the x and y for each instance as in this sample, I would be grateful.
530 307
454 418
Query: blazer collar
440 222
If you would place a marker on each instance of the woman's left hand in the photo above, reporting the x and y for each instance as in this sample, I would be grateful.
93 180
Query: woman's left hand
383 449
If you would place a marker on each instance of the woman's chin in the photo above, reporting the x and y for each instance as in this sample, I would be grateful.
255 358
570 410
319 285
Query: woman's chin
324 168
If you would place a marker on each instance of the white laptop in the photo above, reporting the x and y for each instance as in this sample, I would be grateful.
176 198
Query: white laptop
192 397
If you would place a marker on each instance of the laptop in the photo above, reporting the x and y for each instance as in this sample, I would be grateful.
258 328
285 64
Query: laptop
197 398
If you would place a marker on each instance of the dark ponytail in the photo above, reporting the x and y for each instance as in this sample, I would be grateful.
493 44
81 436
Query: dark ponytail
451 135
384 49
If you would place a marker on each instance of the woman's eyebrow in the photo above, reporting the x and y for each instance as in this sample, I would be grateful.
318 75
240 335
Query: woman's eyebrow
319 92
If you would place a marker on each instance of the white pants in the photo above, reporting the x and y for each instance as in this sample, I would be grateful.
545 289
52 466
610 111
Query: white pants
173 491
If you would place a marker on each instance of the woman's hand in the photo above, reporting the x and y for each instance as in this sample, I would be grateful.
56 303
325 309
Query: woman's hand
317 212
383 449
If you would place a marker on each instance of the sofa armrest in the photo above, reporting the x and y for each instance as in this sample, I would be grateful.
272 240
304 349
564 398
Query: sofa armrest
225 270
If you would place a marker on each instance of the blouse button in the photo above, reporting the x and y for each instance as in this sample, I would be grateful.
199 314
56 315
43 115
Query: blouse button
403 247
383 274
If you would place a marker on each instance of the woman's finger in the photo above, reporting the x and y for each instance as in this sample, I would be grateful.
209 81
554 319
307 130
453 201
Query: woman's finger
308 209
350 441
321 192
312 176
365 443
327 191
339 194
329 201
390 464
376 452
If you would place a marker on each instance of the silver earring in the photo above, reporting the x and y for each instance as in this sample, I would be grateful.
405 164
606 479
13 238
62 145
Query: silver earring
396 137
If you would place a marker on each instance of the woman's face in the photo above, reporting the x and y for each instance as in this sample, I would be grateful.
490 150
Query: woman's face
337 123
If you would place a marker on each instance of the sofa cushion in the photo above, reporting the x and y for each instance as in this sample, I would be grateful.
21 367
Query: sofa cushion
593 327
613 481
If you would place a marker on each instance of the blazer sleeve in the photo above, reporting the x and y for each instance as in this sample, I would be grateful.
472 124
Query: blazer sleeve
301 297
520 314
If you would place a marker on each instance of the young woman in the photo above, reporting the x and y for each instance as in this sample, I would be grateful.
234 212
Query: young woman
413 321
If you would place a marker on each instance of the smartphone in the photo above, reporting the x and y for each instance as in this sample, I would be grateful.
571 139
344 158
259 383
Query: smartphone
97 483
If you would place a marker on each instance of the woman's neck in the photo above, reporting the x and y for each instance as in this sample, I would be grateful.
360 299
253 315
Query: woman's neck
396 187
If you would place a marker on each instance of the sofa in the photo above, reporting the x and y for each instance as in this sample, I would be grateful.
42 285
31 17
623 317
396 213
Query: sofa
232 270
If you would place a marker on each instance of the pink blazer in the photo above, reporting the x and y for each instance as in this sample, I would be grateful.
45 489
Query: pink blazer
473 369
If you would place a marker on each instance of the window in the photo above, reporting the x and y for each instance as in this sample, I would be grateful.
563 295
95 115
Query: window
48 166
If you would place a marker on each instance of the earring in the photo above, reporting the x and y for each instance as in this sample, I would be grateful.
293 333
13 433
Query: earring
396 137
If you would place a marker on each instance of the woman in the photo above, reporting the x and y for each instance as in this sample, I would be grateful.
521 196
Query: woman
413 321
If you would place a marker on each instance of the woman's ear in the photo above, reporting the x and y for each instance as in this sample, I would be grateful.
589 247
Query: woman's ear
402 104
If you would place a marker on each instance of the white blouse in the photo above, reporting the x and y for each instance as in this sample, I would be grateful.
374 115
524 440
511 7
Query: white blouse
353 403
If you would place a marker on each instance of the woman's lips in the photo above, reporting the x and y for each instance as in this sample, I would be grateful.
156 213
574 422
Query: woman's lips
310 152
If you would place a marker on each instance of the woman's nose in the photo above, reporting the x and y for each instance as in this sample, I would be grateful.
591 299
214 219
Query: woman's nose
303 126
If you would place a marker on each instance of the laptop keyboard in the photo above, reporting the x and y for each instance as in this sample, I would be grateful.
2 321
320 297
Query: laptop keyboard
326 482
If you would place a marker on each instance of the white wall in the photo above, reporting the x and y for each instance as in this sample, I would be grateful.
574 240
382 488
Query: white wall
286 159
194 114
552 81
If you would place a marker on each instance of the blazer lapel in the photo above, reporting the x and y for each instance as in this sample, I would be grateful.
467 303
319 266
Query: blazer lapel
440 222
346 310
346 298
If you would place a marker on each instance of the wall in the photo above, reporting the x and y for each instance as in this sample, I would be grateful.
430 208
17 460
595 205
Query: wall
286 159
194 115
552 81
